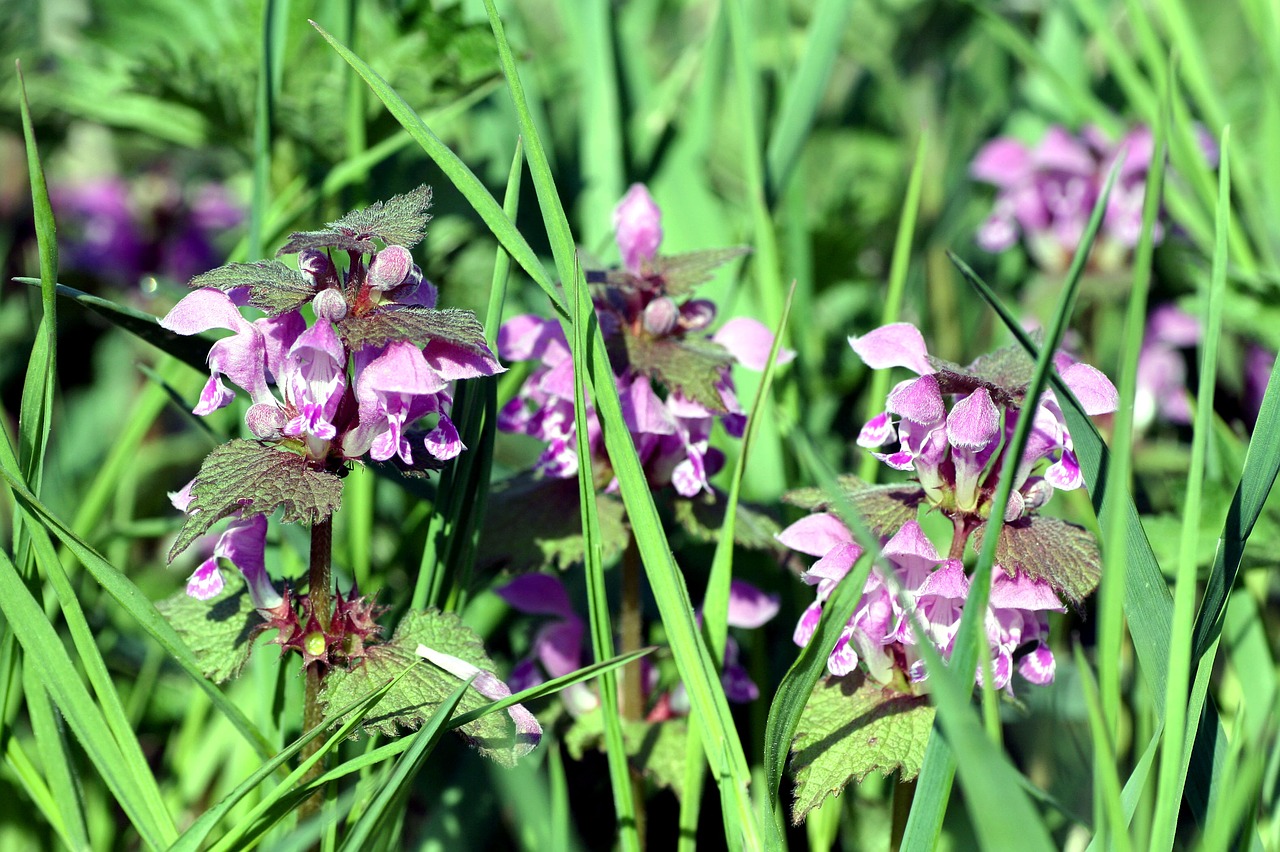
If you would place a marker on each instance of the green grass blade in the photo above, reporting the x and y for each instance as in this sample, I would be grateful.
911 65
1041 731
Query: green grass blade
36 411
193 351
1107 792
898 268
600 125
625 805
138 606
392 794
462 178
550 687
933 793
804 92
44 650
1147 603
28 777
692 659
1172 775
62 804
195 834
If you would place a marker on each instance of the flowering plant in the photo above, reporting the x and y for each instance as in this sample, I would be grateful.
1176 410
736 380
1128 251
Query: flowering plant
951 427
347 387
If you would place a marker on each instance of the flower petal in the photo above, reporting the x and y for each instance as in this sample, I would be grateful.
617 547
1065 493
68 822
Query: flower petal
898 344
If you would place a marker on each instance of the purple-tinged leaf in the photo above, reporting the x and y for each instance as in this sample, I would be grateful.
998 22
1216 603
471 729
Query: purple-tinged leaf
1050 549
883 508
244 476
680 274
401 220
420 326
414 698
851 727
692 366
273 287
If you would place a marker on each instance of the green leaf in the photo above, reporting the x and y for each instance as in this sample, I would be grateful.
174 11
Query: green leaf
693 366
681 274
542 525
418 325
657 750
702 517
220 631
883 508
401 220
256 479
1049 549
273 287
414 698
851 727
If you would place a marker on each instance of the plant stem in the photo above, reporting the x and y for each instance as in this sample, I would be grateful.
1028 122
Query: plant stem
904 792
318 593
631 695
964 526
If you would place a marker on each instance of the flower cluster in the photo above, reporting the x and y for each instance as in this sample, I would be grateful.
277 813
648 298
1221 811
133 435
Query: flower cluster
658 338
880 635
956 452
376 359
1046 193
557 646
952 427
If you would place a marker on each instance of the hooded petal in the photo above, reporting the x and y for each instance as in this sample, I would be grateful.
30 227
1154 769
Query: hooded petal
898 344
749 341
815 534
919 401
537 594
637 223
1094 390
748 606
1002 162
974 422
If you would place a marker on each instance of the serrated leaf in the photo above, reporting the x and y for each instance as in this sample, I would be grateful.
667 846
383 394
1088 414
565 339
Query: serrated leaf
273 287
703 516
416 324
533 522
219 631
412 701
655 749
851 726
401 220
256 479
1049 549
683 273
883 508
691 365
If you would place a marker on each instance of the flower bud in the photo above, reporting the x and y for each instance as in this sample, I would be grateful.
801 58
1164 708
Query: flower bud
317 268
389 268
330 304
697 314
660 316
265 421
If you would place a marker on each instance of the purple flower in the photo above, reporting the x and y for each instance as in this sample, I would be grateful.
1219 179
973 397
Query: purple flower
1045 194
670 420
243 543
880 638
954 437
1162 367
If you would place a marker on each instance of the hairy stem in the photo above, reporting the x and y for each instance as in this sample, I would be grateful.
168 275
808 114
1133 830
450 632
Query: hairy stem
318 592
964 527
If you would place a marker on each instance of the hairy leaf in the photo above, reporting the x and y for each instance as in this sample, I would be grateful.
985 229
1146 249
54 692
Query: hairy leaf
219 631
412 701
656 750
851 726
1049 549
416 324
675 276
533 522
273 287
692 365
883 508
702 517
256 479
401 220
